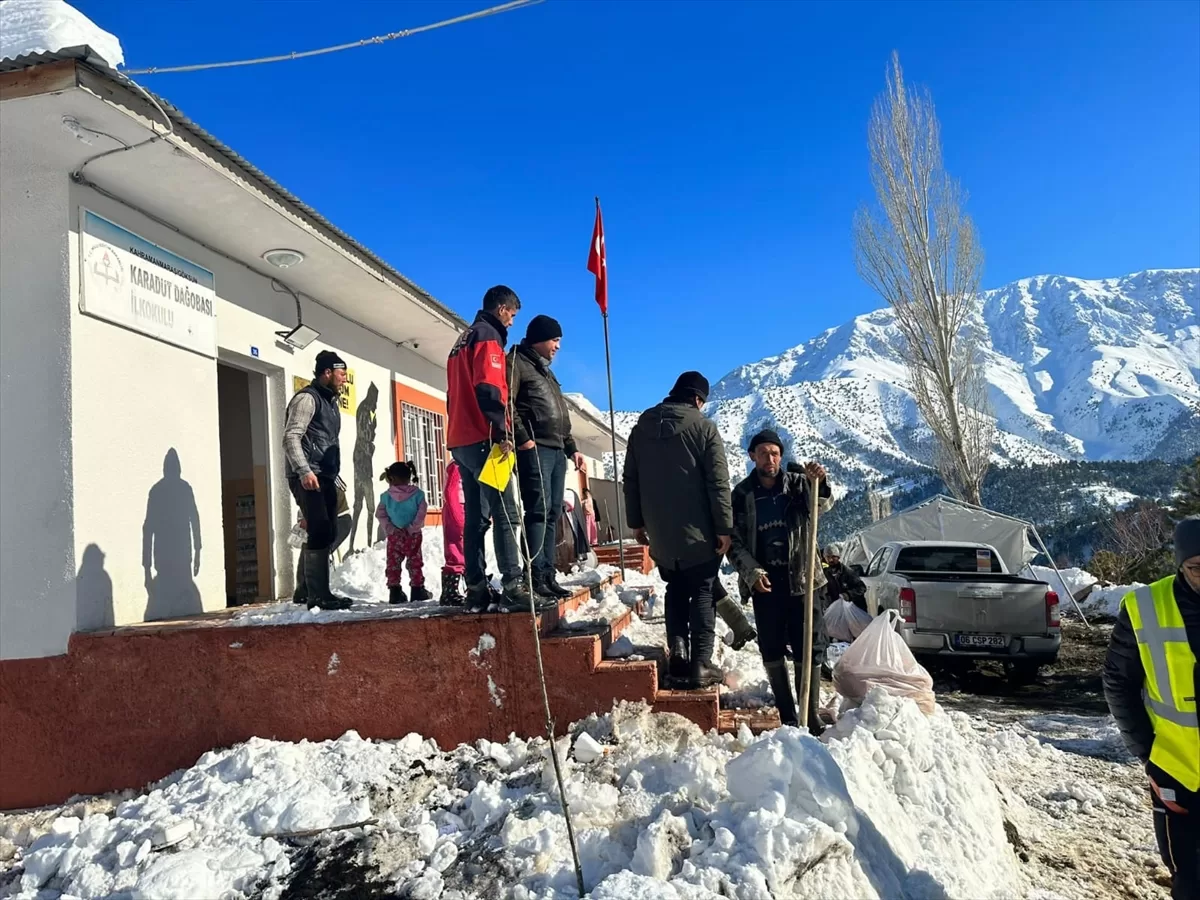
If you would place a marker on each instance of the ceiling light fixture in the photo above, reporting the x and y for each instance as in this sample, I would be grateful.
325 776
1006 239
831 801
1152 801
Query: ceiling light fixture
283 258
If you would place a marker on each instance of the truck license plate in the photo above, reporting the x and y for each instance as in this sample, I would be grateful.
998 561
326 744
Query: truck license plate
975 641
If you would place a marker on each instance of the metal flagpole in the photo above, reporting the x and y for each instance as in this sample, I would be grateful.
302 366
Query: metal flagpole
612 429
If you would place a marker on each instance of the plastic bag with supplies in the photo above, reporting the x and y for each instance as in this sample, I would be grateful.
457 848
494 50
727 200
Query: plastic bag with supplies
844 621
880 658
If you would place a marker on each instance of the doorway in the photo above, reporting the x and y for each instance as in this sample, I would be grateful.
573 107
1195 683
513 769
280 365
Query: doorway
245 488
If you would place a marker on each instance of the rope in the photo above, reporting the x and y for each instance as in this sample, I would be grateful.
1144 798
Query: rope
522 541
378 39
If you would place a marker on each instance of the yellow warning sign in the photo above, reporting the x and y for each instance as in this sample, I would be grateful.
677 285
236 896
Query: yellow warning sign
347 400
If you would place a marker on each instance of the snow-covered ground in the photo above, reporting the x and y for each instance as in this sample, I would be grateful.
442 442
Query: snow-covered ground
888 803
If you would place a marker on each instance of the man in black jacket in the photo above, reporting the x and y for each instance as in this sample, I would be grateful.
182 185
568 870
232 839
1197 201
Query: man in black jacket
1150 678
844 582
770 546
542 433
314 459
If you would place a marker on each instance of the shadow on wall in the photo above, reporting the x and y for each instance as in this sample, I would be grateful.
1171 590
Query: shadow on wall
171 545
93 593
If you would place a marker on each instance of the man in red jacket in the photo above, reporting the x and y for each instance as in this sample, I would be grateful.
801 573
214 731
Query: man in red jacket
476 405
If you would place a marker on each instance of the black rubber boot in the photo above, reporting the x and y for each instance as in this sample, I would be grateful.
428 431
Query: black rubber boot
420 594
781 687
316 573
300 594
815 725
731 614
479 596
396 594
678 667
703 675
548 582
451 595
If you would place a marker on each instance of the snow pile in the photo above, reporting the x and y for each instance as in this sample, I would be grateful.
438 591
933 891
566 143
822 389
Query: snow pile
47 26
894 803
1077 581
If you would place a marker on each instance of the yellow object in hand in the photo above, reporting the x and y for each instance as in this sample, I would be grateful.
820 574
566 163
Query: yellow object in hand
498 468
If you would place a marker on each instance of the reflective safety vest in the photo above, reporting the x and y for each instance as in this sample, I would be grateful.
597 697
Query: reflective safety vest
1170 688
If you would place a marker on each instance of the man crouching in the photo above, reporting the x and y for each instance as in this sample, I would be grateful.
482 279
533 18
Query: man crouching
770 544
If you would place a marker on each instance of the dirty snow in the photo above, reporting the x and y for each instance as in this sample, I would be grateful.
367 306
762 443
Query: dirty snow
47 26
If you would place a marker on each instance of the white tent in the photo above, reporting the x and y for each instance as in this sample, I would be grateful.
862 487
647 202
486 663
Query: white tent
943 518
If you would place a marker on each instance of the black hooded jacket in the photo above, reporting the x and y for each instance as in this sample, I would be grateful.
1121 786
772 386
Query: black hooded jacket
1124 678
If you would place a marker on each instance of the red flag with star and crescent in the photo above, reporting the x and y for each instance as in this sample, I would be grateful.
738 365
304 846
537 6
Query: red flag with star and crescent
597 264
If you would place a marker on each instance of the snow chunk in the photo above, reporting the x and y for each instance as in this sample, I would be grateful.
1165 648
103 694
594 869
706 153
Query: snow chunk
587 749
47 26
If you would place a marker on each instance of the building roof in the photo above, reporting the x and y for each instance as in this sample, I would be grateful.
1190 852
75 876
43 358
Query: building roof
84 55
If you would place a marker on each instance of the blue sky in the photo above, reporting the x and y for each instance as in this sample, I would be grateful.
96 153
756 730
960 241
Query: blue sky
726 141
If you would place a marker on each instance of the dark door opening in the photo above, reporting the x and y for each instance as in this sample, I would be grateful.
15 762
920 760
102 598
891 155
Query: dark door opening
245 505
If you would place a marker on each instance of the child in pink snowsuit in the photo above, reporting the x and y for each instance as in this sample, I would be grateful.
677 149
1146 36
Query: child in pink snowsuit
401 512
453 517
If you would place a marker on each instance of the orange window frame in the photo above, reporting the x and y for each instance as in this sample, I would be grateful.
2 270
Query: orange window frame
401 394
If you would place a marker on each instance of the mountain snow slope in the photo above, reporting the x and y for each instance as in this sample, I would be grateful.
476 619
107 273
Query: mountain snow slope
1078 369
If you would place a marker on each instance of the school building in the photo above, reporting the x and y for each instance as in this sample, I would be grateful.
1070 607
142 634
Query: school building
161 299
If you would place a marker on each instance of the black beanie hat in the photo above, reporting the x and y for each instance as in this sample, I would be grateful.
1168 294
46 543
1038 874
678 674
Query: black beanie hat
327 359
690 384
1187 539
766 436
542 328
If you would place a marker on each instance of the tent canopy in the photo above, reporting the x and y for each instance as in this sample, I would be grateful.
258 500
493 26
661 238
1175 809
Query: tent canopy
943 518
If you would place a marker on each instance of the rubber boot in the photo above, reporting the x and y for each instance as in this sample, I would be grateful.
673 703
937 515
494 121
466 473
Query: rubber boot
678 667
731 614
300 594
781 687
396 594
316 573
551 587
420 594
815 725
451 596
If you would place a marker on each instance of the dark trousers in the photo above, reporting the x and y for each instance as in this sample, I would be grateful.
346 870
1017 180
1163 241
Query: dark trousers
779 617
483 507
690 611
1178 837
543 475
319 508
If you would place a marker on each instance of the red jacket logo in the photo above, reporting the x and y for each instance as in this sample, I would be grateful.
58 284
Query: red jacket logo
494 360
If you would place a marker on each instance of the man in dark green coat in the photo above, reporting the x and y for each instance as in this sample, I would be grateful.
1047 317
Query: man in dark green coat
677 501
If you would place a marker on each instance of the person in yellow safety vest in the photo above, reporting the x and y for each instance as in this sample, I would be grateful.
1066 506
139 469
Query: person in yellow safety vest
1150 677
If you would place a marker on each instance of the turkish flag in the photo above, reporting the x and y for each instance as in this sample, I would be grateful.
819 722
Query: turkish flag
597 264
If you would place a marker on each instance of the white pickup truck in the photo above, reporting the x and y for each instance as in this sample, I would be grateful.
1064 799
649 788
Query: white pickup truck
958 602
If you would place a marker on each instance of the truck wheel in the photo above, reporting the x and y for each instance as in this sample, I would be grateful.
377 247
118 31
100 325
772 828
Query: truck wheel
1022 673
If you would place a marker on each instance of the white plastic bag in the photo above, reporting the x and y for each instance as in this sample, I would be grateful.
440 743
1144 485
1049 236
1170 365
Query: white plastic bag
880 658
844 621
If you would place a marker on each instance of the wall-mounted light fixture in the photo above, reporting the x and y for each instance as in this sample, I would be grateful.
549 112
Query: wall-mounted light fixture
302 335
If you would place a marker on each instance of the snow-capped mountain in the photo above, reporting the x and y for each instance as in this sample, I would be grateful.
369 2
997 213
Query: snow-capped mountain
1078 369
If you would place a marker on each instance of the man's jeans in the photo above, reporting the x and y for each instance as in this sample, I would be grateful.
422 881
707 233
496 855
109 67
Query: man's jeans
482 505
543 474
690 612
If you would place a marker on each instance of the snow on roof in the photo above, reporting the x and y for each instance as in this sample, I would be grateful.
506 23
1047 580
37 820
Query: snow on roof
29 27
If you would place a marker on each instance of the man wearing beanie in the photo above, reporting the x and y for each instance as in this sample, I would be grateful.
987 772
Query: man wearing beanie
771 510
677 501
542 433
314 460
1150 678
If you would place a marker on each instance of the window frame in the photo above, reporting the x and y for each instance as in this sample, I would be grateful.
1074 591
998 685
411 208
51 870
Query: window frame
423 434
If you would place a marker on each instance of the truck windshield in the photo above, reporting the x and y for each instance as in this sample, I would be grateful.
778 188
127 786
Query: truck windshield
948 559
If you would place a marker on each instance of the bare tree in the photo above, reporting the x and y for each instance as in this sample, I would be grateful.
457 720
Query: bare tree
921 253
1140 536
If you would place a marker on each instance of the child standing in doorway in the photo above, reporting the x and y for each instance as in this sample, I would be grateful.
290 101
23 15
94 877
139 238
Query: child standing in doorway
401 511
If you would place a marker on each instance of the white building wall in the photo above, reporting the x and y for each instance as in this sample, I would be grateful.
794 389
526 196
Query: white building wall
135 399
38 559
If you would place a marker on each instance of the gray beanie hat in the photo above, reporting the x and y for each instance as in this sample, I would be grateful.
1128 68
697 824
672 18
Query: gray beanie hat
1187 539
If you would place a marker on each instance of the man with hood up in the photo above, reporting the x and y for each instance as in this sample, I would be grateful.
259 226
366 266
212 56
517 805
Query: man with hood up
677 501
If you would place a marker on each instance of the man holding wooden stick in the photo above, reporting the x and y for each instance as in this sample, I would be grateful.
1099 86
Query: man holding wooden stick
774 552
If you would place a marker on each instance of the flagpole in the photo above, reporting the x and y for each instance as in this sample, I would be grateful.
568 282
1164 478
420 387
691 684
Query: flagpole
612 429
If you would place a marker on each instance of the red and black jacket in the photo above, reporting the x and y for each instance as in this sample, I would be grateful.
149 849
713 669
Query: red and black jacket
477 384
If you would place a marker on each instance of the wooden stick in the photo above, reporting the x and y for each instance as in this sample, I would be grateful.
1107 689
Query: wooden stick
313 832
814 487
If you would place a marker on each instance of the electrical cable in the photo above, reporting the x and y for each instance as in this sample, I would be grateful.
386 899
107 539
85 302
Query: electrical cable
378 39
78 177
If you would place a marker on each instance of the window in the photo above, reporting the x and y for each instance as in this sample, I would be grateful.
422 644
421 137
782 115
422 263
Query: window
947 559
425 444
876 564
